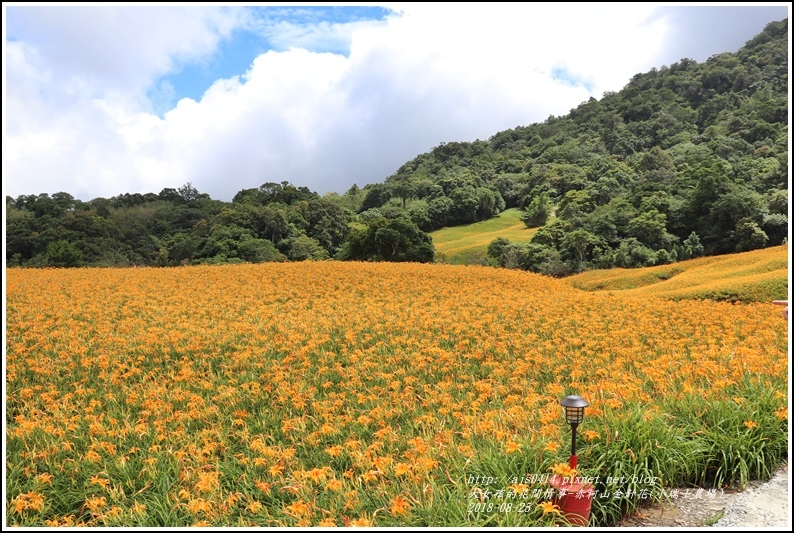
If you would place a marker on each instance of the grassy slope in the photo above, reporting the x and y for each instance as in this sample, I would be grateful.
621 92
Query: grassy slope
454 243
758 275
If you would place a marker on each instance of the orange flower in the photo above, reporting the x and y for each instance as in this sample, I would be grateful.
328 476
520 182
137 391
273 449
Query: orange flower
299 508
552 446
399 506
317 474
95 504
28 500
254 507
102 482
263 486
334 485
564 470
549 507
591 435
208 481
92 456
429 358
401 469
370 476
199 505
334 451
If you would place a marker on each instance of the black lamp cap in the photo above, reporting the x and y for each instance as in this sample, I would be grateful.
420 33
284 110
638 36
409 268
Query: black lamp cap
574 401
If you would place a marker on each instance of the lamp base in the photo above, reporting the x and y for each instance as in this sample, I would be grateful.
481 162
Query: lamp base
574 497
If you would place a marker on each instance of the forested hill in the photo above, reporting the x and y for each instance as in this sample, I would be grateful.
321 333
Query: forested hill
688 159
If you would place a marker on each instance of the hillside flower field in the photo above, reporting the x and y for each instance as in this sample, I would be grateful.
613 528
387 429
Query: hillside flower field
371 394
758 276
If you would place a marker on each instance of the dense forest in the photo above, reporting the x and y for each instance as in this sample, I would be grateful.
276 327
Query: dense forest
689 159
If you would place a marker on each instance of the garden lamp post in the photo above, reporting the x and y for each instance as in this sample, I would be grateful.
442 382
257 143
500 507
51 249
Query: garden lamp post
574 414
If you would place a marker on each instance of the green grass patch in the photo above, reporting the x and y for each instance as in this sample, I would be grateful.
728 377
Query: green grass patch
458 244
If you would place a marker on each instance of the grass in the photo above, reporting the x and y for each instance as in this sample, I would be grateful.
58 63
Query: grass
714 519
458 244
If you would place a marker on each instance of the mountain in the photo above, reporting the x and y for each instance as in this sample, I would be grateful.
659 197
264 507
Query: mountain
688 159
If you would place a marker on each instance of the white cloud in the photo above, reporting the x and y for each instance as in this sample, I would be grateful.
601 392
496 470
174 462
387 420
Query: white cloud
117 51
78 121
325 36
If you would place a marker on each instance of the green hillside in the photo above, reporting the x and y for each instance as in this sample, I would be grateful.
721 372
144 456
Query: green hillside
459 244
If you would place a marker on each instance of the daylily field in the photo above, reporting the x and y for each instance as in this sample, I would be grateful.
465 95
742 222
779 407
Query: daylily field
327 393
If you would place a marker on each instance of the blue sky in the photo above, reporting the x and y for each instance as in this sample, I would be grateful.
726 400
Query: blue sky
266 32
99 101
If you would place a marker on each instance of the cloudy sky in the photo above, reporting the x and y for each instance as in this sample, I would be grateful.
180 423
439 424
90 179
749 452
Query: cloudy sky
100 101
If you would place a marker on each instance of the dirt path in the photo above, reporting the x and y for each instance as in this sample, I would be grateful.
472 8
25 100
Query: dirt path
761 505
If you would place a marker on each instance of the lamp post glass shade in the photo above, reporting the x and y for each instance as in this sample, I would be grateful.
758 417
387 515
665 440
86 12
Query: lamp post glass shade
574 408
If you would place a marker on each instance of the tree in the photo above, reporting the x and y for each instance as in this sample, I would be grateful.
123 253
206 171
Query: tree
388 239
465 203
604 189
537 212
376 195
255 250
274 223
736 202
551 234
188 192
540 259
439 212
656 159
491 203
170 195
497 249
327 222
233 242
284 193
180 247
304 247
633 254
64 201
352 199
578 243
775 226
749 235
63 254
692 247
575 205
403 188
778 201
649 228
